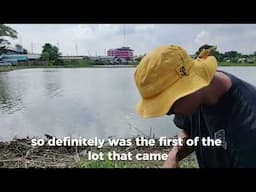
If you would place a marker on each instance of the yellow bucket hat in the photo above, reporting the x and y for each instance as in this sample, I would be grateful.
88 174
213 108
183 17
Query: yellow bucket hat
168 73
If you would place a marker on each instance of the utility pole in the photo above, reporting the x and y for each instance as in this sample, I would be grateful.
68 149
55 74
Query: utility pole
21 40
76 47
32 48
124 34
58 45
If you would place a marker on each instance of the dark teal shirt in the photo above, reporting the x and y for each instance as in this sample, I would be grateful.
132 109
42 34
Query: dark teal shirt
233 120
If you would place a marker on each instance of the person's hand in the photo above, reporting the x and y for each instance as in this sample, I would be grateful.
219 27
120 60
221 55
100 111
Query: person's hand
172 161
177 153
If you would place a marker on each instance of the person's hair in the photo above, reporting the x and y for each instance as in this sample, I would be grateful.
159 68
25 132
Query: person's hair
205 46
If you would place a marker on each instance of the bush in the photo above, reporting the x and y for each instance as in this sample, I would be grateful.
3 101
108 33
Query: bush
58 62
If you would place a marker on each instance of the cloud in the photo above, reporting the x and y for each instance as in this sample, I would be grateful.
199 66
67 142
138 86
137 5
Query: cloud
144 27
205 37
202 37
97 38
82 32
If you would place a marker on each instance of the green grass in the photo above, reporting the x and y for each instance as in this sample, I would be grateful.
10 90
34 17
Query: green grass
117 164
189 162
236 64
87 63
11 68
64 64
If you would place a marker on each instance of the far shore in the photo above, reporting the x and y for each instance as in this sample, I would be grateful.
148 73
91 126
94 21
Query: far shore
12 68
17 67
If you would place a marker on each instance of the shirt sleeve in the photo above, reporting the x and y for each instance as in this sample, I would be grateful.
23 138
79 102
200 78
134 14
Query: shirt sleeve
181 122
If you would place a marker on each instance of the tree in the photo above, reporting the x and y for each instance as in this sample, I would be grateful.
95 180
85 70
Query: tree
233 56
25 51
18 47
219 56
6 31
21 49
50 52
138 59
3 43
45 56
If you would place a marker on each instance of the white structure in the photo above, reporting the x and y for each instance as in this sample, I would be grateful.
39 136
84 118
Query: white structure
34 56
71 57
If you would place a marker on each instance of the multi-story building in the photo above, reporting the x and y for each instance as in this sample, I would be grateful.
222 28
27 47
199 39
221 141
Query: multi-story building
122 53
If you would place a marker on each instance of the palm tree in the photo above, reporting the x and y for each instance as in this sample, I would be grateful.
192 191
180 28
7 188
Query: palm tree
7 31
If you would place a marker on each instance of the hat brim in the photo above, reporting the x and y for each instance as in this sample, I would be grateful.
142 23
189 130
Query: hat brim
159 105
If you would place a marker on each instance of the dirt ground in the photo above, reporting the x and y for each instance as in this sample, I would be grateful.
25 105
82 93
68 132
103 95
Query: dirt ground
19 153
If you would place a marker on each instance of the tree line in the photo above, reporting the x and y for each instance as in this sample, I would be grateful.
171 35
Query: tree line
51 53
230 56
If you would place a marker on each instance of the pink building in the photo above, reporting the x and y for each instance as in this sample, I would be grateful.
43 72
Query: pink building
123 52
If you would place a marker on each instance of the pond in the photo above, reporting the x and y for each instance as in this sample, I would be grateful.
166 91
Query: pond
86 102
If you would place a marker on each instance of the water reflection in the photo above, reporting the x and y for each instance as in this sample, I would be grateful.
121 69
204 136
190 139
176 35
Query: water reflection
52 82
11 99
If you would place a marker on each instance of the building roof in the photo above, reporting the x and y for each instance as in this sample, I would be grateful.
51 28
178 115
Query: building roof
13 51
125 48
122 48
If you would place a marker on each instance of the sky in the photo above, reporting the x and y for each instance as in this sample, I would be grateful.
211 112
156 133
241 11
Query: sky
96 39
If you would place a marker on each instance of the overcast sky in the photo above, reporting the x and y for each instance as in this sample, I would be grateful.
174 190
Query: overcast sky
95 39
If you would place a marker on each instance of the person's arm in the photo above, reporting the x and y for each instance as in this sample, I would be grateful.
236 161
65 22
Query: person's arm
178 153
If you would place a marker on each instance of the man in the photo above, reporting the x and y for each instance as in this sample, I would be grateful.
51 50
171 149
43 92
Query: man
206 103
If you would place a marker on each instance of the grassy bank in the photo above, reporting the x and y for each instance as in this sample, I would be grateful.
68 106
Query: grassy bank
79 64
236 64
188 162
19 153
11 68
65 64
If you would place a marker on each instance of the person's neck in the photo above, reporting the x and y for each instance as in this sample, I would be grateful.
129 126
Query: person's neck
219 85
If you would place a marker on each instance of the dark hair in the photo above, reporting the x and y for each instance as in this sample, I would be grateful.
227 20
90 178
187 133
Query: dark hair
205 46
